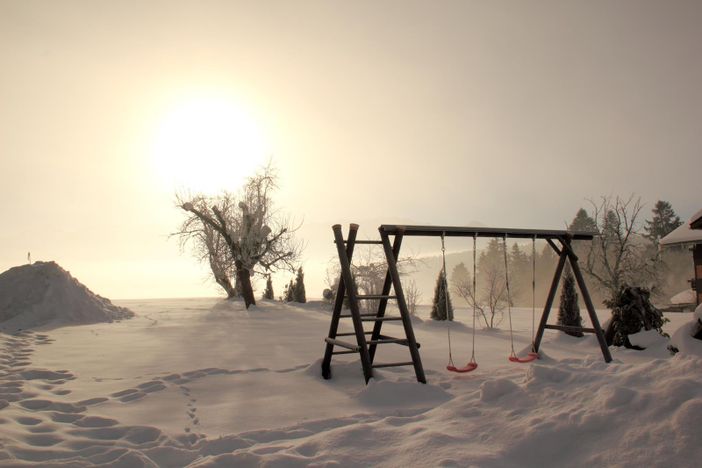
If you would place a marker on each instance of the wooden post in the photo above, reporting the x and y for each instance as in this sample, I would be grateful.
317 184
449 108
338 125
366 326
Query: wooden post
549 299
402 305
588 301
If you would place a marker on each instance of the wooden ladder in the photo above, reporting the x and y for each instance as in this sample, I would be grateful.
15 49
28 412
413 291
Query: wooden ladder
347 289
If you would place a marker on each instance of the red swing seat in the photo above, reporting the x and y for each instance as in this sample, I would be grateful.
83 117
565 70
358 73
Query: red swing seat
471 366
532 356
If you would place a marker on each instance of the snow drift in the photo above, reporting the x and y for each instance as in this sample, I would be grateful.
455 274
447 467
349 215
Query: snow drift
43 293
684 338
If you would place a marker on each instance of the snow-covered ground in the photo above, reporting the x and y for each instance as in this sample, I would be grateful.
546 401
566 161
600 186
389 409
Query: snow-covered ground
207 383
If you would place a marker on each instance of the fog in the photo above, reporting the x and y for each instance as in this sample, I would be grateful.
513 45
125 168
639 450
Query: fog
503 113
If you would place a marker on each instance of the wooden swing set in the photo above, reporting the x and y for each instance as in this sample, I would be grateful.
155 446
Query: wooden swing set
560 241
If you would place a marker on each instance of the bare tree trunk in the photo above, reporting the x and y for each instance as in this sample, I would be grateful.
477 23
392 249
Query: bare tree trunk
244 276
226 285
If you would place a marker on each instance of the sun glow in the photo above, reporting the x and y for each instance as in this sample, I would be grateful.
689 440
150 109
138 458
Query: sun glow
207 144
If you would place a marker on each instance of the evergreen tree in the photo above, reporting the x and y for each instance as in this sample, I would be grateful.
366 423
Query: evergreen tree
461 280
268 292
664 221
569 311
520 275
441 308
460 274
583 222
299 288
290 292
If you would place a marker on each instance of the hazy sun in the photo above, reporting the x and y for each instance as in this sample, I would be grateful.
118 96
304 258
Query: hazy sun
207 144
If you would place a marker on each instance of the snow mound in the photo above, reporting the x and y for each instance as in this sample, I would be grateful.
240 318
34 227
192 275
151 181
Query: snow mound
381 393
43 293
684 337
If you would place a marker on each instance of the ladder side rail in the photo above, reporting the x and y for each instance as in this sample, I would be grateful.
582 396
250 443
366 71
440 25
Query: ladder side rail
339 300
382 305
402 305
351 292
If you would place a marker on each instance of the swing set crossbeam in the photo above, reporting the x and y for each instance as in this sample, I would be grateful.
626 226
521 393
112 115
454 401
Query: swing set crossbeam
461 231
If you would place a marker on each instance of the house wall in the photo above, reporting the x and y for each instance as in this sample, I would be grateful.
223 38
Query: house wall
697 258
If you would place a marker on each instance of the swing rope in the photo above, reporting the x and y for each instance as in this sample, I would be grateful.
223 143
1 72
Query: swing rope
509 297
472 364
472 355
445 285
513 355
533 292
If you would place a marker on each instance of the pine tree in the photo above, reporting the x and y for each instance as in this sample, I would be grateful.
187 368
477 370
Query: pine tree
299 294
290 292
664 221
520 275
569 311
583 222
440 310
268 292
460 274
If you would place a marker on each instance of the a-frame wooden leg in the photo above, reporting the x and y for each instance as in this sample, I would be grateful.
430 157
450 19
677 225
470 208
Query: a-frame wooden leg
352 294
383 303
402 305
588 302
339 301
549 299
566 253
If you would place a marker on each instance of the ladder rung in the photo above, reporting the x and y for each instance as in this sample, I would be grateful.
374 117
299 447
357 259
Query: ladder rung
353 333
379 319
344 352
343 344
568 328
393 364
360 315
365 242
375 296
387 340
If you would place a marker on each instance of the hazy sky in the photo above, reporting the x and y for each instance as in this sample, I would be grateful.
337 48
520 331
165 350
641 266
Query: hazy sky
443 112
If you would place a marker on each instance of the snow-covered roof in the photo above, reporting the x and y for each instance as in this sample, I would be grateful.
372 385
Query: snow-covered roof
688 233
696 220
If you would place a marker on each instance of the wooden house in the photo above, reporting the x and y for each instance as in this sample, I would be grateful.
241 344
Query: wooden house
690 233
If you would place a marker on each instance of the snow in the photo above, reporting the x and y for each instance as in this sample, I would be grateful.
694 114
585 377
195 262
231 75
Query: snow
43 294
686 296
683 338
205 382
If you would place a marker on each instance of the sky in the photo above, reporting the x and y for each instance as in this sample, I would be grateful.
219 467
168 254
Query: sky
505 113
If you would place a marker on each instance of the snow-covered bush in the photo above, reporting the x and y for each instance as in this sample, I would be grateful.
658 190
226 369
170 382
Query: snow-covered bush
632 311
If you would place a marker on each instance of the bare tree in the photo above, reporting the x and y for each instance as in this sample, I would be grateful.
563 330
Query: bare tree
240 233
620 256
490 299
413 296
369 268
